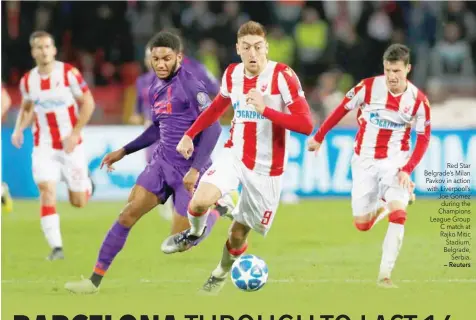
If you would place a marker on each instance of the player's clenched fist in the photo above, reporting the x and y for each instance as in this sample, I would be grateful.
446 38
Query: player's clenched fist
190 180
256 99
17 139
185 147
111 158
313 145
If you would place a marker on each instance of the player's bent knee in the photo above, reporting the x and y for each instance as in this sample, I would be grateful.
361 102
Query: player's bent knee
140 202
200 205
131 213
78 203
201 202
78 200
206 195
128 216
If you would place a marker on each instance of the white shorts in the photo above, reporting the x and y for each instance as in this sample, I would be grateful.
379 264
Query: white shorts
260 194
373 179
56 165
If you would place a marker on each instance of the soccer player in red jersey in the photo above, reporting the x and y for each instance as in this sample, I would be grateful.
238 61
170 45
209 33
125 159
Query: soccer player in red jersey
58 102
268 100
382 161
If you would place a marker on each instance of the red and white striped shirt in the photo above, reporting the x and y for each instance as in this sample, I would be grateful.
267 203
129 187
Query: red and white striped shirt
54 103
257 141
385 119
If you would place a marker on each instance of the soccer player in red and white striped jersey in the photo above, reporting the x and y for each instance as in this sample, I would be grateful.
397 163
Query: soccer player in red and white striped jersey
58 102
382 161
268 101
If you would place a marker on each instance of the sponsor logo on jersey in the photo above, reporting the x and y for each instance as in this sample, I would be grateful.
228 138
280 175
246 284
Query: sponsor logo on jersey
50 103
248 114
384 123
407 109
162 106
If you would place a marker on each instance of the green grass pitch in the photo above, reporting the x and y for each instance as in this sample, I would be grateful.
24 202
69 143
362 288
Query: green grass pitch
318 264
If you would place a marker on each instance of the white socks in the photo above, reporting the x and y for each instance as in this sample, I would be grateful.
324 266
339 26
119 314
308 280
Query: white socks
50 224
391 247
197 222
229 256
219 272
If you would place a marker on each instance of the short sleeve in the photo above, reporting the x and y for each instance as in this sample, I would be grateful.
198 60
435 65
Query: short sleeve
25 88
76 82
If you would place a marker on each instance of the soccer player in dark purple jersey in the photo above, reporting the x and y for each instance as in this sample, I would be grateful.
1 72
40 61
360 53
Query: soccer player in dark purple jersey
176 98
143 114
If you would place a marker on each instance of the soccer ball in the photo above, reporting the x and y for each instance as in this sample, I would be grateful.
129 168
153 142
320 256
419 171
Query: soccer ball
249 273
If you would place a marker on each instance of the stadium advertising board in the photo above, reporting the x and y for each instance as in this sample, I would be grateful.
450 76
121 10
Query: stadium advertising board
325 175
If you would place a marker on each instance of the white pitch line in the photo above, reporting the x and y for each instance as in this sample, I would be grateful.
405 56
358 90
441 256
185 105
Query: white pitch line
288 281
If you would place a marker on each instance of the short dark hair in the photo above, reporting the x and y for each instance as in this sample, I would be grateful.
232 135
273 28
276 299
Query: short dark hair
40 34
397 52
166 39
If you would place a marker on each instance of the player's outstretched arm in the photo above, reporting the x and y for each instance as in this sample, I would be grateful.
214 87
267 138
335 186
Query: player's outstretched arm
423 128
209 116
331 121
352 100
146 139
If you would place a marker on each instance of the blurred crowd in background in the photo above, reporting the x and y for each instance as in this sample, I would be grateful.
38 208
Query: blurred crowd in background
331 45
